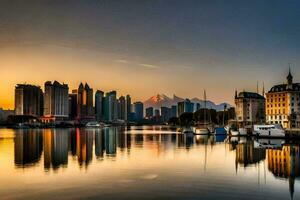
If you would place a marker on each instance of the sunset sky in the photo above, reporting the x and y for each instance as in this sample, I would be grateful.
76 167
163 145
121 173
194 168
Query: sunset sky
147 47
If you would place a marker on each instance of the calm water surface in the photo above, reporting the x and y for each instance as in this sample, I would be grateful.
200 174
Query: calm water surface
144 163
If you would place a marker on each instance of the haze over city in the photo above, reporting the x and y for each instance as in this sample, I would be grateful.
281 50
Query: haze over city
147 47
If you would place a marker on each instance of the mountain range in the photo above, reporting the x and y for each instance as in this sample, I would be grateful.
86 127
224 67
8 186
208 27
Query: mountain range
160 100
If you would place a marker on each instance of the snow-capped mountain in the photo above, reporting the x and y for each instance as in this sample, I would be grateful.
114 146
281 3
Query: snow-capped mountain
160 100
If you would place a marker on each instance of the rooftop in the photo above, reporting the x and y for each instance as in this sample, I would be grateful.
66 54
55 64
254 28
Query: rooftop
284 87
250 95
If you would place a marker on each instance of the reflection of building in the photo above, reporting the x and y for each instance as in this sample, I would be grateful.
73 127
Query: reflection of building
247 153
250 108
285 163
99 143
84 149
55 148
28 100
28 147
56 105
110 141
283 104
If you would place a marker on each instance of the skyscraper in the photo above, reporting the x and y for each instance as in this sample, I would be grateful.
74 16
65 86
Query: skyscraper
56 105
198 106
122 108
110 106
149 112
73 106
85 110
28 100
139 111
165 113
173 111
99 102
185 106
128 107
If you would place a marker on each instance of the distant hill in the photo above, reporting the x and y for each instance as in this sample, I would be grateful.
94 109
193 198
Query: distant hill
160 100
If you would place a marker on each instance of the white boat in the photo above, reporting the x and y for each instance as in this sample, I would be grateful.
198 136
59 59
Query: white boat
187 130
93 124
240 132
202 131
268 130
243 132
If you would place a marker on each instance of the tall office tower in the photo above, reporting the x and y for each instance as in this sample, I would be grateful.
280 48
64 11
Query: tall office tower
165 113
73 105
99 102
149 112
173 111
139 110
85 110
198 106
185 106
28 100
56 97
128 108
110 106
122 108
156 113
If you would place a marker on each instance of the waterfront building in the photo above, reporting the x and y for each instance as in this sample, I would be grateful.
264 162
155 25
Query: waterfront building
73 106
173 111
110 106
156 113
283 104
139 110
122 108
128 107
99 102
4 115
28 100
198 106
149 112
56 102
185 106
85 109
250 108
165 113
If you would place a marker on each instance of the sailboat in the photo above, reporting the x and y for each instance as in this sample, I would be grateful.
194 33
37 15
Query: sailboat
203 129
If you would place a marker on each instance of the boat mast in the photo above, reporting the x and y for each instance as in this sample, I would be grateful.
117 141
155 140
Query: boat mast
204 106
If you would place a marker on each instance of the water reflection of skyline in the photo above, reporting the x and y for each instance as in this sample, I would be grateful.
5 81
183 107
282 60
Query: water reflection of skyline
58 145
54 149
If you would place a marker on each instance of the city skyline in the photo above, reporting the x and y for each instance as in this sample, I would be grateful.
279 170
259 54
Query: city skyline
167 47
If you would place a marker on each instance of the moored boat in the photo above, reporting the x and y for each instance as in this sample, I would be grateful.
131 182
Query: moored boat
187 130
93 124
274 130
